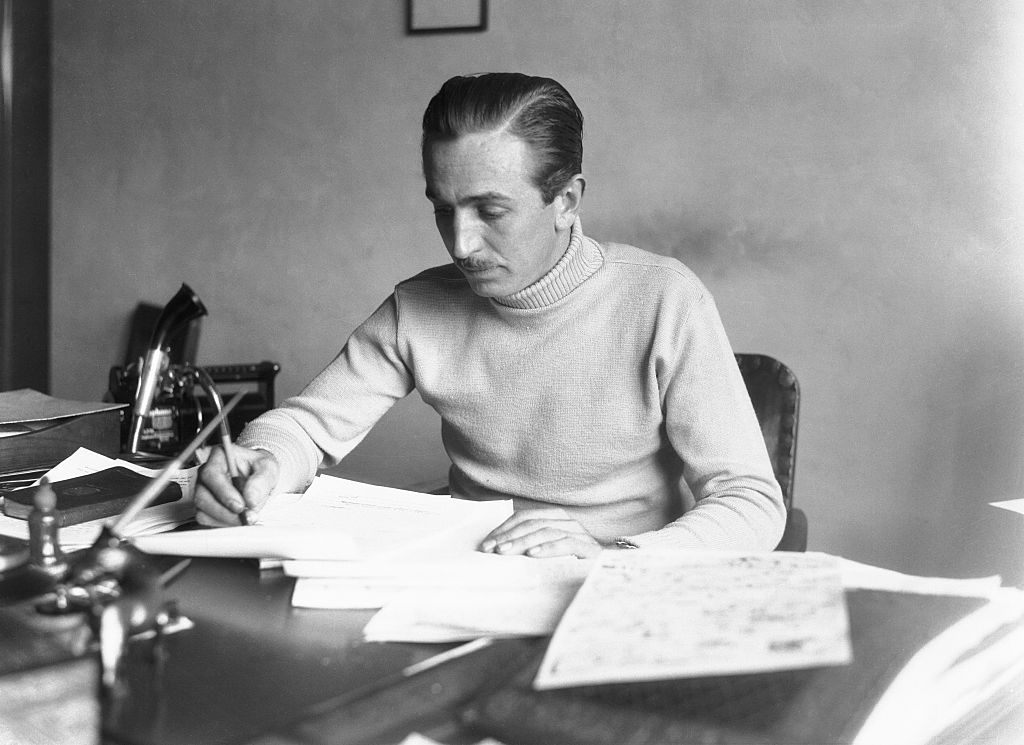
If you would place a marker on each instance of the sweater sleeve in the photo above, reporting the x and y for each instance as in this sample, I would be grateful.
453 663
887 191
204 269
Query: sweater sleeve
712 426
332 414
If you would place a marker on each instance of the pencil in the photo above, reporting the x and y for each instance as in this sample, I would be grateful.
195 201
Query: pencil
246 515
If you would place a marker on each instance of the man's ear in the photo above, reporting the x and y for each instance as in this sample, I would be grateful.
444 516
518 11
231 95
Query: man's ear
568 202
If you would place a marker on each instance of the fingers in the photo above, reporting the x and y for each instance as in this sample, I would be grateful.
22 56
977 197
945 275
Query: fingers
259 475
542 534
218 501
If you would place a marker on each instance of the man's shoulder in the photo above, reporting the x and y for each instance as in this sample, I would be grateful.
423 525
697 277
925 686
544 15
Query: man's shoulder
647 266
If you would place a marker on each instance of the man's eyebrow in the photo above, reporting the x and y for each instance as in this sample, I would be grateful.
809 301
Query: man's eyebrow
490 196
487 196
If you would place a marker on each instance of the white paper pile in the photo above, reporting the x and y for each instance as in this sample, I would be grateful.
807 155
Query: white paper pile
454 597
341 520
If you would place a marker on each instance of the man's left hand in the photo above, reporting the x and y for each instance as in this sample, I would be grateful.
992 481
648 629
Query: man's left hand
541 533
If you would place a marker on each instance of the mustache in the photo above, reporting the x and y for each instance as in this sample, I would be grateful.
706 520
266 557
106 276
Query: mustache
473 266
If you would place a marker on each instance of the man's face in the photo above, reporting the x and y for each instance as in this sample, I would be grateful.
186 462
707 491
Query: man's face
491 217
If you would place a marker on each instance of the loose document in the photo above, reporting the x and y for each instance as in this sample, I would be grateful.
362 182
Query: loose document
647 615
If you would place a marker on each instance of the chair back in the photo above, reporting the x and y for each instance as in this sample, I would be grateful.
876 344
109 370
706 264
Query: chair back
775 394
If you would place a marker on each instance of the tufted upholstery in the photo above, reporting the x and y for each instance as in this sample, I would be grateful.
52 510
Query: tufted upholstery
775 393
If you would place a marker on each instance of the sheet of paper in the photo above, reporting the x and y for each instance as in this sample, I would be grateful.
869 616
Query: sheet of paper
646 615
1014 505
374 584
325 485
390 523
343 520
456 615
252 541
866 577
25 405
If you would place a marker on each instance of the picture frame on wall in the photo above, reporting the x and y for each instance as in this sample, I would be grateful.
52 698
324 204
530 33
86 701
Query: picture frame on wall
445 16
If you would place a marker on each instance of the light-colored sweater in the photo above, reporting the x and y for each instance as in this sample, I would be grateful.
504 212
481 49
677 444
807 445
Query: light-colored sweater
607 388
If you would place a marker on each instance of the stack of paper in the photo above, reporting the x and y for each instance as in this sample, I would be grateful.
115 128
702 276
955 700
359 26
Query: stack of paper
970 672
337 519
354 545
455 597
152 520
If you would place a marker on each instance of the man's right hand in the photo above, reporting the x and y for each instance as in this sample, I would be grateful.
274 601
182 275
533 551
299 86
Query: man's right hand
218 502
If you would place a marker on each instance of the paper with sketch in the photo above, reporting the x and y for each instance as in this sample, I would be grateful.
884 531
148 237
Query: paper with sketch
151 520
338 519
375 584
649 615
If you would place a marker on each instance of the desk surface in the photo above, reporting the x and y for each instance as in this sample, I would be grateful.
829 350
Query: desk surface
253 670
252 663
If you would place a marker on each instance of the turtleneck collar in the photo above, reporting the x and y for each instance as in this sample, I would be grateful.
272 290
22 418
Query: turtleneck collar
581 259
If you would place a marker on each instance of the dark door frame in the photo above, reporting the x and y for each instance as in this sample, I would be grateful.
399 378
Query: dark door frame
25 194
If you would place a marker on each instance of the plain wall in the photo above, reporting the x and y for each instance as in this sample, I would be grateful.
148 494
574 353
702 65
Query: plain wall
845 176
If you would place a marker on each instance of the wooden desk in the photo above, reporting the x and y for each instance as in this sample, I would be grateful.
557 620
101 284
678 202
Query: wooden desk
254 664
251 665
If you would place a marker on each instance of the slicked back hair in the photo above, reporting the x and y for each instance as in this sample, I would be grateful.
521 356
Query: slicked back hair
537 110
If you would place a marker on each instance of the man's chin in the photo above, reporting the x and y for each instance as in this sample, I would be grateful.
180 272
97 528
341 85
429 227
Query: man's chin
485 284
486 289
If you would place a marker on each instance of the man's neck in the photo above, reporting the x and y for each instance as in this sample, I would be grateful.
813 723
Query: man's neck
579 260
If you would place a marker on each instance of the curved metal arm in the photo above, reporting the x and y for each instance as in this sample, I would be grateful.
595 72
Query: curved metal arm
184 307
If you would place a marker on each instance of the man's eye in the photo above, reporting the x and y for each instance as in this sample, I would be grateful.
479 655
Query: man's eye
442 211
492 214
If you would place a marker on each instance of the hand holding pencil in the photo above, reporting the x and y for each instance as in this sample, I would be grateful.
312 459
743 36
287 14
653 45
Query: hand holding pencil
233 484
247 516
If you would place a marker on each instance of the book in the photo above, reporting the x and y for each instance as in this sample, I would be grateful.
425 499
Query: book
924 669
92 496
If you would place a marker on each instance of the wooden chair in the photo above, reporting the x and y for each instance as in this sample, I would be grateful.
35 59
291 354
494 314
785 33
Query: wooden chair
775 393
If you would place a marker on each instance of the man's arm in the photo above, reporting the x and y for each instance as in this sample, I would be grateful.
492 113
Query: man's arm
712 426
319 426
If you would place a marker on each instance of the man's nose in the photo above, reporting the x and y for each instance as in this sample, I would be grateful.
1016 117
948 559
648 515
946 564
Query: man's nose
465 237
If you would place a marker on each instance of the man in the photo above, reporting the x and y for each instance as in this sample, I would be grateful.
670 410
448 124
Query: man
591 383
